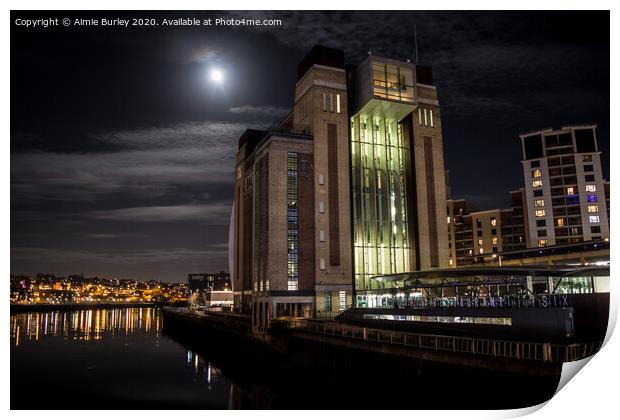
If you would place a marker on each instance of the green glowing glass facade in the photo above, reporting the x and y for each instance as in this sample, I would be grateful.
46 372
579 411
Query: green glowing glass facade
380 158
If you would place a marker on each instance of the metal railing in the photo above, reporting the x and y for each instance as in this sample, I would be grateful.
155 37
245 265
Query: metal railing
543 352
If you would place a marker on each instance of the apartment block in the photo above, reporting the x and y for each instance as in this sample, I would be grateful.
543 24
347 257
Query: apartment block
565 200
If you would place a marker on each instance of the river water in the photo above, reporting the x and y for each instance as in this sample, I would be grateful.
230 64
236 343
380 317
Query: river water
125 359
108 358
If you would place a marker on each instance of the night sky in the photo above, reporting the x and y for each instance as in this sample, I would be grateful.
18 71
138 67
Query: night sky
122 150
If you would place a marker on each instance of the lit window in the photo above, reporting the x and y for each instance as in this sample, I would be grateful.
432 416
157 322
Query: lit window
448 219
479 241
560 222
432 120
537 183
593 209
539 203
425 118
481 251
322 264
321 180
594 219
338 104
592 198
587 158
420 115
493 221
451 261
570 190
540 213
322 235
542 242
591 188
536 173
328 301
343 299
321 207
494 241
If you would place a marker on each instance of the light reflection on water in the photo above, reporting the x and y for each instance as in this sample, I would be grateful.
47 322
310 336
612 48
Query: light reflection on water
118 354
88 324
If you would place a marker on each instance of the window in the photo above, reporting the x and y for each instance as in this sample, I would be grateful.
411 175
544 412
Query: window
432 119
331 102
542 233
539 203
560 222
494 241
570 200
541 223
537 183
338 104
589 178
478 223
587 158
328 301
420 115
538 193
322 264
479 241
595 229
479 233
588 168
321 179
536 173
540 213
448 219
592 198
342 300
321 207
493 232
325 102
493 221
481 251
594 219
591 188
542 242
292 187
535 164
322 235
570 190
593 208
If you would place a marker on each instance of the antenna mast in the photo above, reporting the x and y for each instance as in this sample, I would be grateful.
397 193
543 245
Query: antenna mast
415 41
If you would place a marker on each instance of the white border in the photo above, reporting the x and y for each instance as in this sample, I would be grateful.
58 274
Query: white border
591 394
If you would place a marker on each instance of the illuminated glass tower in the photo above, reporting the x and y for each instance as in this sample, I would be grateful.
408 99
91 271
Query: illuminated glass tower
398 181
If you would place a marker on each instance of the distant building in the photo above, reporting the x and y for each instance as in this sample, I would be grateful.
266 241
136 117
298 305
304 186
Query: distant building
210 289
565 199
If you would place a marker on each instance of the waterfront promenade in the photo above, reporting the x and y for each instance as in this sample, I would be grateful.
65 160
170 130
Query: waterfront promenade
530 358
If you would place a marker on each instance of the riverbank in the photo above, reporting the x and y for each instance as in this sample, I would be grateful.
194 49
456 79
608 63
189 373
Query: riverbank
301 371
46 307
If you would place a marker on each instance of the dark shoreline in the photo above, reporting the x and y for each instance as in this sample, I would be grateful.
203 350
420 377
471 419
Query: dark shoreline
44 307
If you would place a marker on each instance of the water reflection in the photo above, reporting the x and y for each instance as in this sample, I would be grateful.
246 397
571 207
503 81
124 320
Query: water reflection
119 355
87 325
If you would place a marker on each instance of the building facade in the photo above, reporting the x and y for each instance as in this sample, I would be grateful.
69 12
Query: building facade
565 200
292 237
350 185
398 176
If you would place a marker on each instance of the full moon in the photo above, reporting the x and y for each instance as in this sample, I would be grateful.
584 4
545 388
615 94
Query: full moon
217 75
